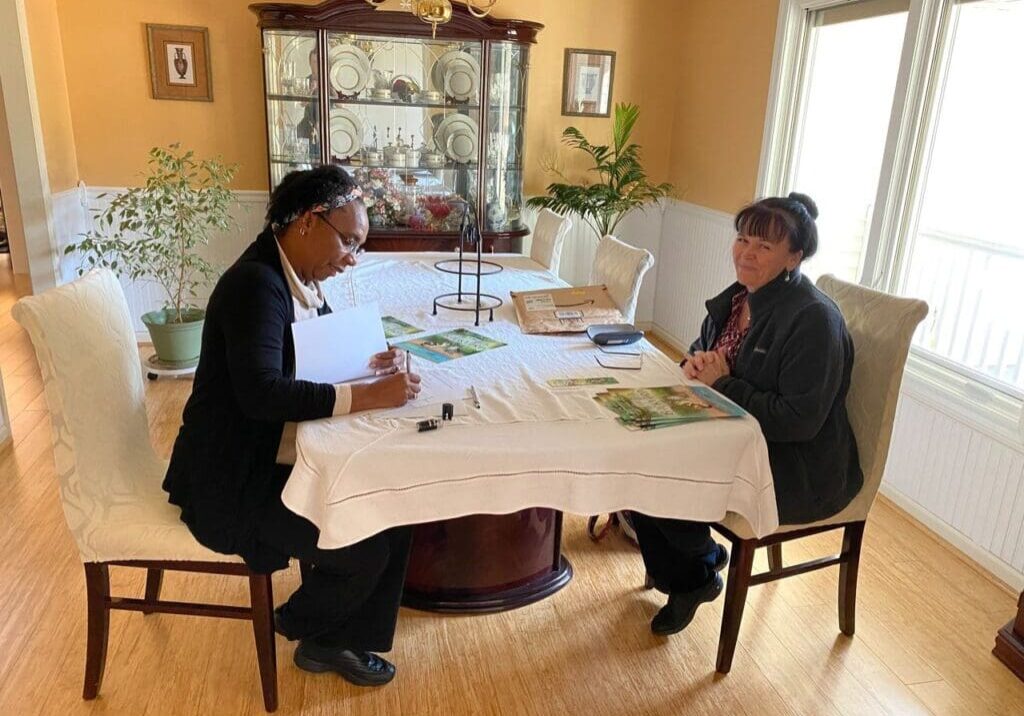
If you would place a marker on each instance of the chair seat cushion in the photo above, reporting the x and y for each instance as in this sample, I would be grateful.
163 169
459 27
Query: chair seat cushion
856 511
142 525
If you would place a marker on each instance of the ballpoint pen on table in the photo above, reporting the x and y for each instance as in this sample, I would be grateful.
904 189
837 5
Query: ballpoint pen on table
474 396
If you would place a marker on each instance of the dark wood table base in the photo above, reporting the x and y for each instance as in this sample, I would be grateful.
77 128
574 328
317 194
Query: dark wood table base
1009 647
486 563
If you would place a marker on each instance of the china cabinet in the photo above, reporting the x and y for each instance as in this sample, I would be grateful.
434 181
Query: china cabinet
422 122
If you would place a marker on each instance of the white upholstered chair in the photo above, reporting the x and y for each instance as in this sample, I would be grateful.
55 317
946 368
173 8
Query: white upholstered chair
110 477
548 236
621 268
882 327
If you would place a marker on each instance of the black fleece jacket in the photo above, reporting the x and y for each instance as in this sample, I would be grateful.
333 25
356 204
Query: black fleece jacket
792 374
222 470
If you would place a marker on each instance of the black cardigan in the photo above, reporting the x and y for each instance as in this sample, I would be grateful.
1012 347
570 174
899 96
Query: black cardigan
222 470
792 373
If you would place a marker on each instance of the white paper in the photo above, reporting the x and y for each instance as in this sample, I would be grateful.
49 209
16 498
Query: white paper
337 347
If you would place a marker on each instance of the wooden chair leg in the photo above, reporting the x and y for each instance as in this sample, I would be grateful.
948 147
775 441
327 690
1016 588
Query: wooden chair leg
740 568
154 580
775 558
261 593
853 536
97 589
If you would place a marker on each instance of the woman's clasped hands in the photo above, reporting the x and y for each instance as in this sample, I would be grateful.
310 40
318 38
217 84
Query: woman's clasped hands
705 366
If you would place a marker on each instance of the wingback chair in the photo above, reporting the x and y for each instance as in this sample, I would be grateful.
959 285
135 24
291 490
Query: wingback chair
110 477
621 268
548 237
882 327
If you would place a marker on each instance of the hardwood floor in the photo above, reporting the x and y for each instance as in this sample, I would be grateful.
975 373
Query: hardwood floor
926 623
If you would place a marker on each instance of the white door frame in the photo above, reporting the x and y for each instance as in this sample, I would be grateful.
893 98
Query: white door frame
25 134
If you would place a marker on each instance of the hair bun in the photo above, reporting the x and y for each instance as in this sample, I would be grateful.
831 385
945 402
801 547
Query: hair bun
808 203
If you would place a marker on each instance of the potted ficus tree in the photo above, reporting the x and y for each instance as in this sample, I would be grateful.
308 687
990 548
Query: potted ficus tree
152 232
621 183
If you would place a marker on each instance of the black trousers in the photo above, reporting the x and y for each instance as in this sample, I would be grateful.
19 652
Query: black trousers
678 554
350 597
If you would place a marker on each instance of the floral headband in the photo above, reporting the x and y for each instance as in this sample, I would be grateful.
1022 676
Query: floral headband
322 208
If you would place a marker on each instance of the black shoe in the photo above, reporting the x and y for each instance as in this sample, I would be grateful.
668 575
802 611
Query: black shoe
361 668
721 558
678 613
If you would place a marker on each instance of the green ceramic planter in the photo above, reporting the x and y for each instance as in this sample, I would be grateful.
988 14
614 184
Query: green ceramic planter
176 343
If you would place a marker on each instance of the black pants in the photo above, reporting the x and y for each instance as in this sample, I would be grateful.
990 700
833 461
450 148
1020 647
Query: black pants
350 597
679 555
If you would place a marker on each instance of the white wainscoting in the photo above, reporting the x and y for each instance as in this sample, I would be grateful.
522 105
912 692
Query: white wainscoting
73 212
694 267
962 483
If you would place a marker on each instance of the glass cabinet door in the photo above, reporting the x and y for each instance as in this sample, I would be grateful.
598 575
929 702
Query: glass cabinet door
506 109
293 101
404 119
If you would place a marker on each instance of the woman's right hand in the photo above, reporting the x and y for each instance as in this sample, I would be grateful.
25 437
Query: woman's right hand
391 392
397 389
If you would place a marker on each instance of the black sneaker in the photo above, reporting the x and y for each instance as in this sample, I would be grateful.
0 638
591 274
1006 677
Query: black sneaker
678 613
362 668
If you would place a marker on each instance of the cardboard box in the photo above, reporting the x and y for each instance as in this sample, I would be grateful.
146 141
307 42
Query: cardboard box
564 310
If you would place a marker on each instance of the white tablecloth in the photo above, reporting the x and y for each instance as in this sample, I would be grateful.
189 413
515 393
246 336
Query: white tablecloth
528 445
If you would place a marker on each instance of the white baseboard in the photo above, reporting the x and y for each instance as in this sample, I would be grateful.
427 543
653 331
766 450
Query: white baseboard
970 549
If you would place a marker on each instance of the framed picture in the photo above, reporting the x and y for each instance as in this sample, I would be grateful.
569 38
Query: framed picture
587 83
179 62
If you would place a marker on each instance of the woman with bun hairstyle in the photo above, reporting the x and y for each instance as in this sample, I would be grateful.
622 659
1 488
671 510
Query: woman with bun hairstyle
778 347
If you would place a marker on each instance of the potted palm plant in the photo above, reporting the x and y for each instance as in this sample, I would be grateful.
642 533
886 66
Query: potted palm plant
621 183
151 232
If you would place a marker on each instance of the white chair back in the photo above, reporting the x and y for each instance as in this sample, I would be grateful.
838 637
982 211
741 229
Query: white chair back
548 237
882 327
92 378
621 268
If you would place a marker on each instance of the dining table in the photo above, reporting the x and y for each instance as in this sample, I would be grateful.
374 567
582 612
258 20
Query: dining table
487 489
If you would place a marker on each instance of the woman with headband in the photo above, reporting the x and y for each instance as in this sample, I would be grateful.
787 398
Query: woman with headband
778 347
236 445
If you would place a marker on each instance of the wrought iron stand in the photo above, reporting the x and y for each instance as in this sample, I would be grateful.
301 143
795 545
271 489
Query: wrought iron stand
469 301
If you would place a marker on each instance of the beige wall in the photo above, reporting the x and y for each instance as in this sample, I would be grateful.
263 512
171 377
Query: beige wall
52 92
724 73
115 121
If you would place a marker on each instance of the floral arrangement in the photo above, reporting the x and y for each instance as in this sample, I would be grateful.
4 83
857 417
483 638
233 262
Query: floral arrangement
436 211
382 198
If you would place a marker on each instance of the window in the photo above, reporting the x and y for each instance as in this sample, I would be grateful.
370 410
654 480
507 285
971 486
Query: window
901 118
852 65
966 254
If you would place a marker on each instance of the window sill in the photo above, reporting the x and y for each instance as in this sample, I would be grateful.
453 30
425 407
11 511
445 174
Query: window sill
969 400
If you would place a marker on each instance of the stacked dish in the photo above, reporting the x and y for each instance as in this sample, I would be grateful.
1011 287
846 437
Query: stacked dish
349 70
346 133
456 136
457 74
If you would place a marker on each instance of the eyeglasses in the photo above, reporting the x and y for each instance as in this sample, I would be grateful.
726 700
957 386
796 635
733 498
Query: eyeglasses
351 246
